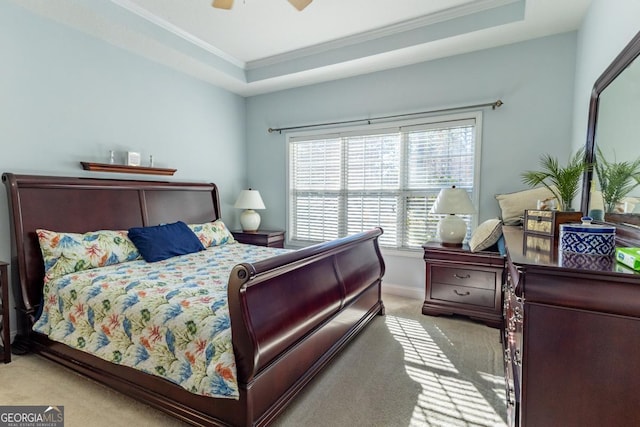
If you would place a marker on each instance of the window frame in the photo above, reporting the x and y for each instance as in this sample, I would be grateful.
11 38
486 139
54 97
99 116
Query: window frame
476 116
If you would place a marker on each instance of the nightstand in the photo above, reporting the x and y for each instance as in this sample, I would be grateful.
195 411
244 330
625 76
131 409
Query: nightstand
270 238
462 282
5 329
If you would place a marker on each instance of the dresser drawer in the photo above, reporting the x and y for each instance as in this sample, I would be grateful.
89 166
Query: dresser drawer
463 295
464 277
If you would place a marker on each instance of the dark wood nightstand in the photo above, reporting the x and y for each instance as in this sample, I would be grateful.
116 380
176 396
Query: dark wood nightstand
269 238
459 281
5 329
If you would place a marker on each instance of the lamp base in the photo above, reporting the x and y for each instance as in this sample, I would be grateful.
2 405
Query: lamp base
451 245
249 220
452 230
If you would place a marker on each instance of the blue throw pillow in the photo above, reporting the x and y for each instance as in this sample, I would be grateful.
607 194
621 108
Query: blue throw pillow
160 242
501 246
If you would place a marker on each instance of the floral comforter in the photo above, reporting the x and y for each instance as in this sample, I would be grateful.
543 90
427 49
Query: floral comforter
168 318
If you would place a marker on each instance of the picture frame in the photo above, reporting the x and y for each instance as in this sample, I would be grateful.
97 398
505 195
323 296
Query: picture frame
133 158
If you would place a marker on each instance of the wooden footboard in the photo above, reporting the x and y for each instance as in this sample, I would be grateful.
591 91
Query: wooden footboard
289 315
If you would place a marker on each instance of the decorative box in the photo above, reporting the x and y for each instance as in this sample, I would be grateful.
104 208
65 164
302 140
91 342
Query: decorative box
587 238
546 223
629 257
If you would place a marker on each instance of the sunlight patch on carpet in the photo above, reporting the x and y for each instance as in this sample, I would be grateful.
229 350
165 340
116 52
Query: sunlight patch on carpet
447 397
497 382
419 348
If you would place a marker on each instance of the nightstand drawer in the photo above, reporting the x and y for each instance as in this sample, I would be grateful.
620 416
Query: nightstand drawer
464 277
463 295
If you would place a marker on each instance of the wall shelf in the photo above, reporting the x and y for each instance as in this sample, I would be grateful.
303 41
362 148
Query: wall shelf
108 167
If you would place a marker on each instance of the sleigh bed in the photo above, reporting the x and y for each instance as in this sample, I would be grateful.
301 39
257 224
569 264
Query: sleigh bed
289 314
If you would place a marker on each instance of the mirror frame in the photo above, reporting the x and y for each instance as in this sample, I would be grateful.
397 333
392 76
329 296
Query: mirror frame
625 234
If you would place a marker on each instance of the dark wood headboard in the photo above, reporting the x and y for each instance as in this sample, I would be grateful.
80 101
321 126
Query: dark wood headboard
78 205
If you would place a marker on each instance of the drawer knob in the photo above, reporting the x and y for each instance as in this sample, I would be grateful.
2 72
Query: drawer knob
458 276
461 294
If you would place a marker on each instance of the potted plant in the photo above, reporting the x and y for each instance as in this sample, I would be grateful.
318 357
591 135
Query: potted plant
617 179
562 181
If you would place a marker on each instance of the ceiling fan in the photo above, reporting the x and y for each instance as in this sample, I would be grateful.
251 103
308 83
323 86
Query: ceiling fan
227 4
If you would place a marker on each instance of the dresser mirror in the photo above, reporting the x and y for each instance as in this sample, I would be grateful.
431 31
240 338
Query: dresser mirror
614 130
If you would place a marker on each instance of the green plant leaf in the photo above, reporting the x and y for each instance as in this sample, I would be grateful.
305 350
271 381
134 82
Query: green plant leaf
562 181
617 179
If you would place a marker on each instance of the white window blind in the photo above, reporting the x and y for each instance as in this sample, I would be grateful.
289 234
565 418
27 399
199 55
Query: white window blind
343 183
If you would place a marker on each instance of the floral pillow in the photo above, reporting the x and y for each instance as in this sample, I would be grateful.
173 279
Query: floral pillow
212 233
65 253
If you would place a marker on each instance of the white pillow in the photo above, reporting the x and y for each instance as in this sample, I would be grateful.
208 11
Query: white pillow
486 235
513 205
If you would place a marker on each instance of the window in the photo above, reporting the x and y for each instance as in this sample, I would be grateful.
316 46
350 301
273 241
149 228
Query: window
388 176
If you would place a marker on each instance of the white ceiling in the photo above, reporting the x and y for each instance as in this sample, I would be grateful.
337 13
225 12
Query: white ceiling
262 46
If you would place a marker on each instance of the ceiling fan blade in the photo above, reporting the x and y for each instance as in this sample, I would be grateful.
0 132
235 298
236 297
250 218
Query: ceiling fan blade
222 4
300 4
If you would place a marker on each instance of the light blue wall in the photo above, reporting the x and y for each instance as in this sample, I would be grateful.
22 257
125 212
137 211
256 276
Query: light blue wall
67 97
534 79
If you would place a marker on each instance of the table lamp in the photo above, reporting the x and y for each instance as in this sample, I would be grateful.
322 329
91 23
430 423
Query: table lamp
249 200
451 228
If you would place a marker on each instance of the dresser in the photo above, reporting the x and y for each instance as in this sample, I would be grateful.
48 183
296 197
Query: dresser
571 339
462 282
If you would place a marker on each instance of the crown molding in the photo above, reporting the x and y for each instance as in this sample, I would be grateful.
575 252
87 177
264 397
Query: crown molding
164 24
404 26
400 27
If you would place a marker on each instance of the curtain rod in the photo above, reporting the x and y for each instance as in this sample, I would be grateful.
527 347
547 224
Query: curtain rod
493 106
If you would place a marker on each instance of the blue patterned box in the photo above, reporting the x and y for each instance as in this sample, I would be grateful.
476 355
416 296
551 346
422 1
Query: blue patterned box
587 238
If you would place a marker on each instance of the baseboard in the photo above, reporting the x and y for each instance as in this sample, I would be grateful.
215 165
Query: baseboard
403 291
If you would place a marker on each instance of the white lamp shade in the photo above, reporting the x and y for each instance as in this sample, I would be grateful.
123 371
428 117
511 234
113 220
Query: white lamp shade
249 200
451 201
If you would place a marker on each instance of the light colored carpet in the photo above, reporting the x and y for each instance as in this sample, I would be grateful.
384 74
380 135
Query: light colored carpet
405 369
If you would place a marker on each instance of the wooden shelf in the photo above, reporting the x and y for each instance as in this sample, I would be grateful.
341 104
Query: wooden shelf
107 167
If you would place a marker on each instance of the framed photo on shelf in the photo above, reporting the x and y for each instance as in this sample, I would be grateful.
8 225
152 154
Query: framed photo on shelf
133 158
